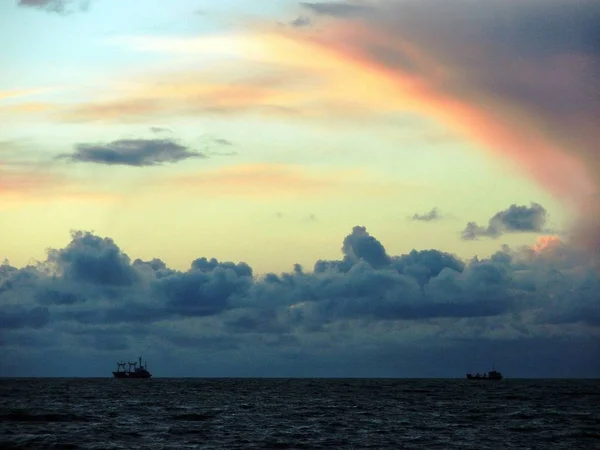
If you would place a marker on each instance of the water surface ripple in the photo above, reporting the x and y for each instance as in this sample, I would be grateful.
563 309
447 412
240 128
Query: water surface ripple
298 413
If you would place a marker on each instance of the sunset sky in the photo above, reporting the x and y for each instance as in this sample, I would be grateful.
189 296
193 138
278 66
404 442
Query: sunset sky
382 183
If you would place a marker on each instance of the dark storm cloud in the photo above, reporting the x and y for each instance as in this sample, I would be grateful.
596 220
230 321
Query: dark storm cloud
20 317
515 219
205 265
90 295
59 297
132 152
92 271
56 6
336 9
426 264
420 285
434 214
202 292
588 312
536 31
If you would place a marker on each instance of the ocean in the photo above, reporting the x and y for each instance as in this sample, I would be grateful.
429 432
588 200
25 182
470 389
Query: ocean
298 414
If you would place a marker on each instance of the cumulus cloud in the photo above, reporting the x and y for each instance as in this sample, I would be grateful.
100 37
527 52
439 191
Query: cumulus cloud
360 245
89 258
91 297
432 215
515 219
132 152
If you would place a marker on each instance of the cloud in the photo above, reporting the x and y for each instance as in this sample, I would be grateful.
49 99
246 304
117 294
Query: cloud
269 180
13 93
158 130
336 9
360 245
132 152
523 92
56 6
186 98
17 317
211 142
515 219
27 108
434 214
12 181
91 297
292 79
301 22
516 78
135 109
91 259
28 175
222 141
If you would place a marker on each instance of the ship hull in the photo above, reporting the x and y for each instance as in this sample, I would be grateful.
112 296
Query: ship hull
476 378
132 376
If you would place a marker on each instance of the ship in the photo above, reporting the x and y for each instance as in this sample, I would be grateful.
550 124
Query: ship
492 375
140 372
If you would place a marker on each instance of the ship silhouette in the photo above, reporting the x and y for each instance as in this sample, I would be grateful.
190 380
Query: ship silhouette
492 375
137 372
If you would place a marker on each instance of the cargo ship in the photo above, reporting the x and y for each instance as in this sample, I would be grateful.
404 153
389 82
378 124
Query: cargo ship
140 372
492 375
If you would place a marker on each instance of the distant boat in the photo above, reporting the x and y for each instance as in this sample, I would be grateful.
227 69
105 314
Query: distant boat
137 372
492 375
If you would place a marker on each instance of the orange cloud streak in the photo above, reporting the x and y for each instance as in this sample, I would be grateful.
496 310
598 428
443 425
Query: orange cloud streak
285 77
26 108
181 98
21 92
496 125
18 188
272 181
525 92
366 65
258 180
545 243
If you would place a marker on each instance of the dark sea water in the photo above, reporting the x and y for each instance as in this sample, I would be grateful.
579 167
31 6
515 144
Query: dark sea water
298 413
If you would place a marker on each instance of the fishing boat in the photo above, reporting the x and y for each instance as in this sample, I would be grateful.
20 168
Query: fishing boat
492 375
140 372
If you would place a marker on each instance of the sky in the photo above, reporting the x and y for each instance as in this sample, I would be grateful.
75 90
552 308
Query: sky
375 188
